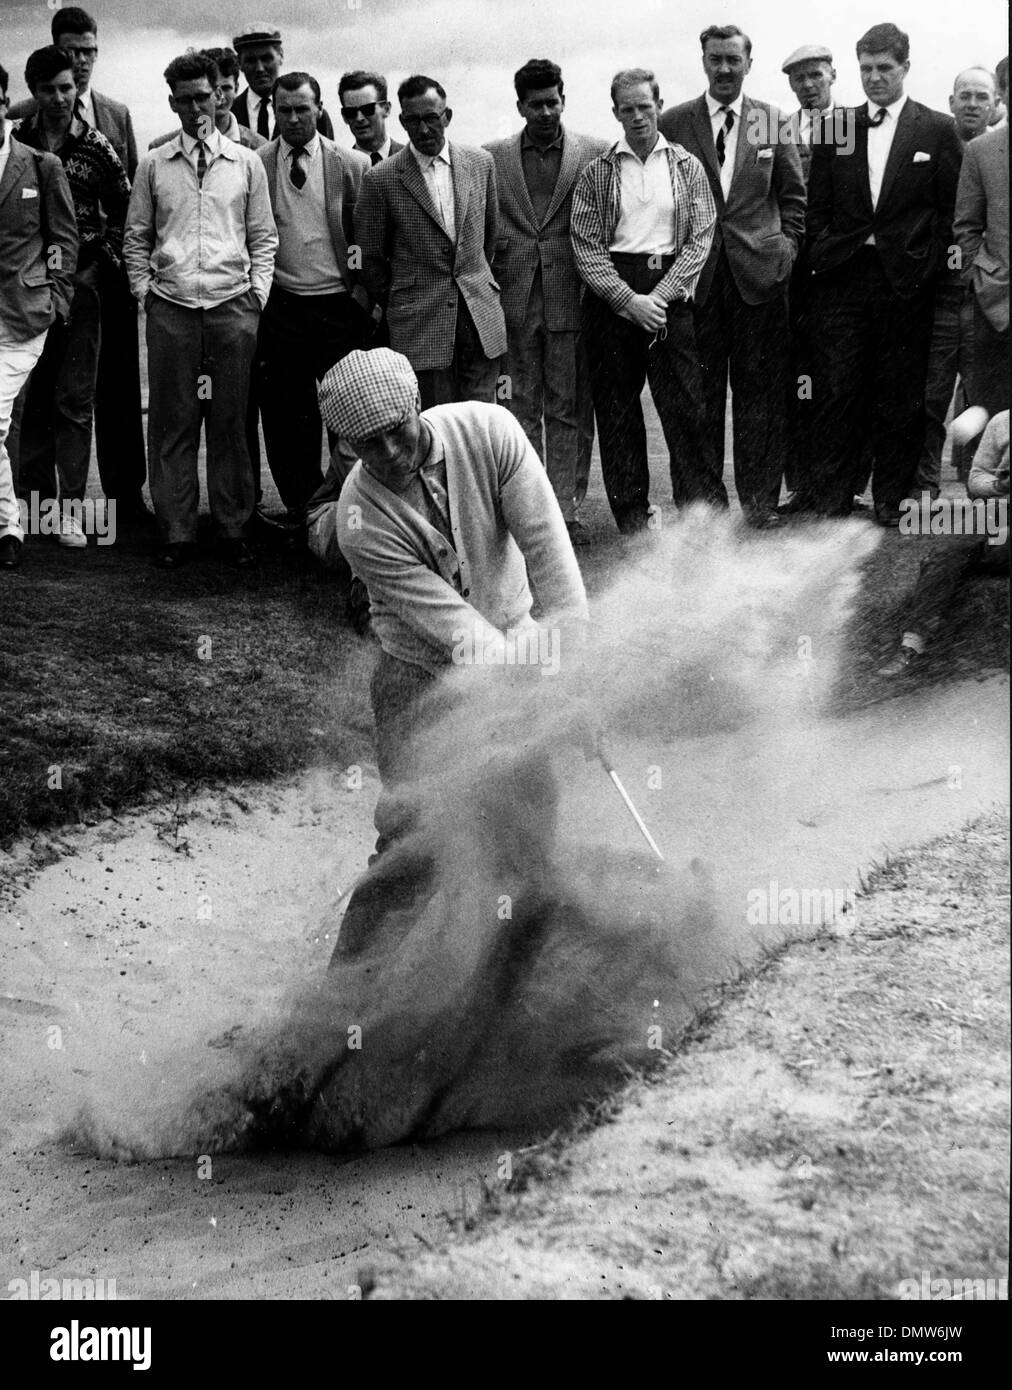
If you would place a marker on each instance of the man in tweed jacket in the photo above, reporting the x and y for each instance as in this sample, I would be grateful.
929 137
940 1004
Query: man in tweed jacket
426 223
536 171
642 224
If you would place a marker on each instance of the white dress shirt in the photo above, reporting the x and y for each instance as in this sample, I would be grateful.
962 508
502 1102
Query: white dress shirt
383 151
86 106
880 142
437 172
646 219
253 103
5 148
717 119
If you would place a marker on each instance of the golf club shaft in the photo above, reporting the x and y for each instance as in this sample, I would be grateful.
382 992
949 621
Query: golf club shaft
632 810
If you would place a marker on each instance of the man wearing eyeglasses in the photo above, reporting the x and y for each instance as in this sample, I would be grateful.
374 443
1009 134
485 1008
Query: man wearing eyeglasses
364 110
426 224
119 430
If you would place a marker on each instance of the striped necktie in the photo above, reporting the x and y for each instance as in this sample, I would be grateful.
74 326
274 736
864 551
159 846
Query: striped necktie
723 132
201 162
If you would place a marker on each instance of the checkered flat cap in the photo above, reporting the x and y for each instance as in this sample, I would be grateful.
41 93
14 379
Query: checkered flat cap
368 392
258 33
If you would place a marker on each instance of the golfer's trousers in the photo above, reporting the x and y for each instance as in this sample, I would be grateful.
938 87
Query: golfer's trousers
198 369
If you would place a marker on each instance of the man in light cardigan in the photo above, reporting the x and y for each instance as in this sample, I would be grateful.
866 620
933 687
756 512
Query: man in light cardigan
443 518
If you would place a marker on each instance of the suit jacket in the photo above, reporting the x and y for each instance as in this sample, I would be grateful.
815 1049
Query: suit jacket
763 220
36 214
980 226
112 119
240 110
342 184
912 222
410 266
523 247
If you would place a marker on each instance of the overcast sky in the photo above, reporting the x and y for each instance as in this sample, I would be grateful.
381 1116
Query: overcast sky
474 48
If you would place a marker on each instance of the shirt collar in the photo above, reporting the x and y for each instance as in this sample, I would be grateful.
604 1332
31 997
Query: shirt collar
624 147
894 109
714 106
526 143
288 150
426 161
383 151
214 144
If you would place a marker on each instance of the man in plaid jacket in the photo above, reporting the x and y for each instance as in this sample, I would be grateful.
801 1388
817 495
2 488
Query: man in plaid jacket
536 170
426 222
642 225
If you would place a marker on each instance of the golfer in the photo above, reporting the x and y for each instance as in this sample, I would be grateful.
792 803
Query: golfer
448 518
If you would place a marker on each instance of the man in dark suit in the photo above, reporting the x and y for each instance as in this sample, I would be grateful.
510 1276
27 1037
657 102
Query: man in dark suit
426 223
261 54
536 171
38 257
119 430
365 110
741 299
879 228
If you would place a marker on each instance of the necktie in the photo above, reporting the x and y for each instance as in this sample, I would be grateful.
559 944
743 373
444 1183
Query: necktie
263 120
375 157
298 174
878 117
201 162
723 132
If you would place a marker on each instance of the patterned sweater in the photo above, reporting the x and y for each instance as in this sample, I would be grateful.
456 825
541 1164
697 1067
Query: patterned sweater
98 185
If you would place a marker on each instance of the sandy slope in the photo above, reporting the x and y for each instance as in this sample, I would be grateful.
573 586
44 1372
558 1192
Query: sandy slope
131 950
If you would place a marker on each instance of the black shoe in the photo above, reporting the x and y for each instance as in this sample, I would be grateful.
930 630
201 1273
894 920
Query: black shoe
131 511
886 515
290 520
174 555
763 521
796 505
238 553
10 553
904 660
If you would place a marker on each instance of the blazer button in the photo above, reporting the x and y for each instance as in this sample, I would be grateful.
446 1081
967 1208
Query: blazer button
466 592
443 554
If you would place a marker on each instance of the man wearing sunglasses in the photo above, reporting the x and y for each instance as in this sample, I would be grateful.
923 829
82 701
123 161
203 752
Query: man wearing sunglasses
426 223
364 110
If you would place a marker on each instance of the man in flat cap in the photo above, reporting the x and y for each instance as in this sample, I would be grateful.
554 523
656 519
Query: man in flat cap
811 75
261 53
449 519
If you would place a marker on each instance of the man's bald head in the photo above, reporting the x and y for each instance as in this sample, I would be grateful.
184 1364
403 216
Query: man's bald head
973 102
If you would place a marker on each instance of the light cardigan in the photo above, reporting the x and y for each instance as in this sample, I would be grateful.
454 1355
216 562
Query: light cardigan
427 596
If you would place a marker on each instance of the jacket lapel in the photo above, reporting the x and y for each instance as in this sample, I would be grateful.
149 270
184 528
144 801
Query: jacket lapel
16 162
899 150
568 171
704 138
103 117
411 177
271 165
461 173
515 178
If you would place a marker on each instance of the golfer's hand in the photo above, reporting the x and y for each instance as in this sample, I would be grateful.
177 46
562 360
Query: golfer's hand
587 731
646 312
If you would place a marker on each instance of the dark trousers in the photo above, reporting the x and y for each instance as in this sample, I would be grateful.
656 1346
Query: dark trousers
871 357
950 560
471 376
987 374
947 359
301 337
800 400
622 357
119 427
750 344
60 402
551 397
198 366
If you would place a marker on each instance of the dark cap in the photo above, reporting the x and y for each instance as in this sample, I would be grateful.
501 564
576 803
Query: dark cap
256 33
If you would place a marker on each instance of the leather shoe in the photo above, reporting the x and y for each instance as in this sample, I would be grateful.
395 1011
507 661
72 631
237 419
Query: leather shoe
174 555
10 553
904 660
764 521
886 515
238 553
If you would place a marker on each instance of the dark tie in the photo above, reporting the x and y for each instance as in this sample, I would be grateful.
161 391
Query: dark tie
263 120
201 162
723 132
375 157
878 117
298 174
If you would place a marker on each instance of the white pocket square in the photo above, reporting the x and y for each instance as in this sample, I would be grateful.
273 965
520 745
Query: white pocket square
921 158
29 192
764 154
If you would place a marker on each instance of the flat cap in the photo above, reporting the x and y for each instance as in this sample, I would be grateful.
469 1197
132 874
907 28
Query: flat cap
368 392
256 33
808 53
